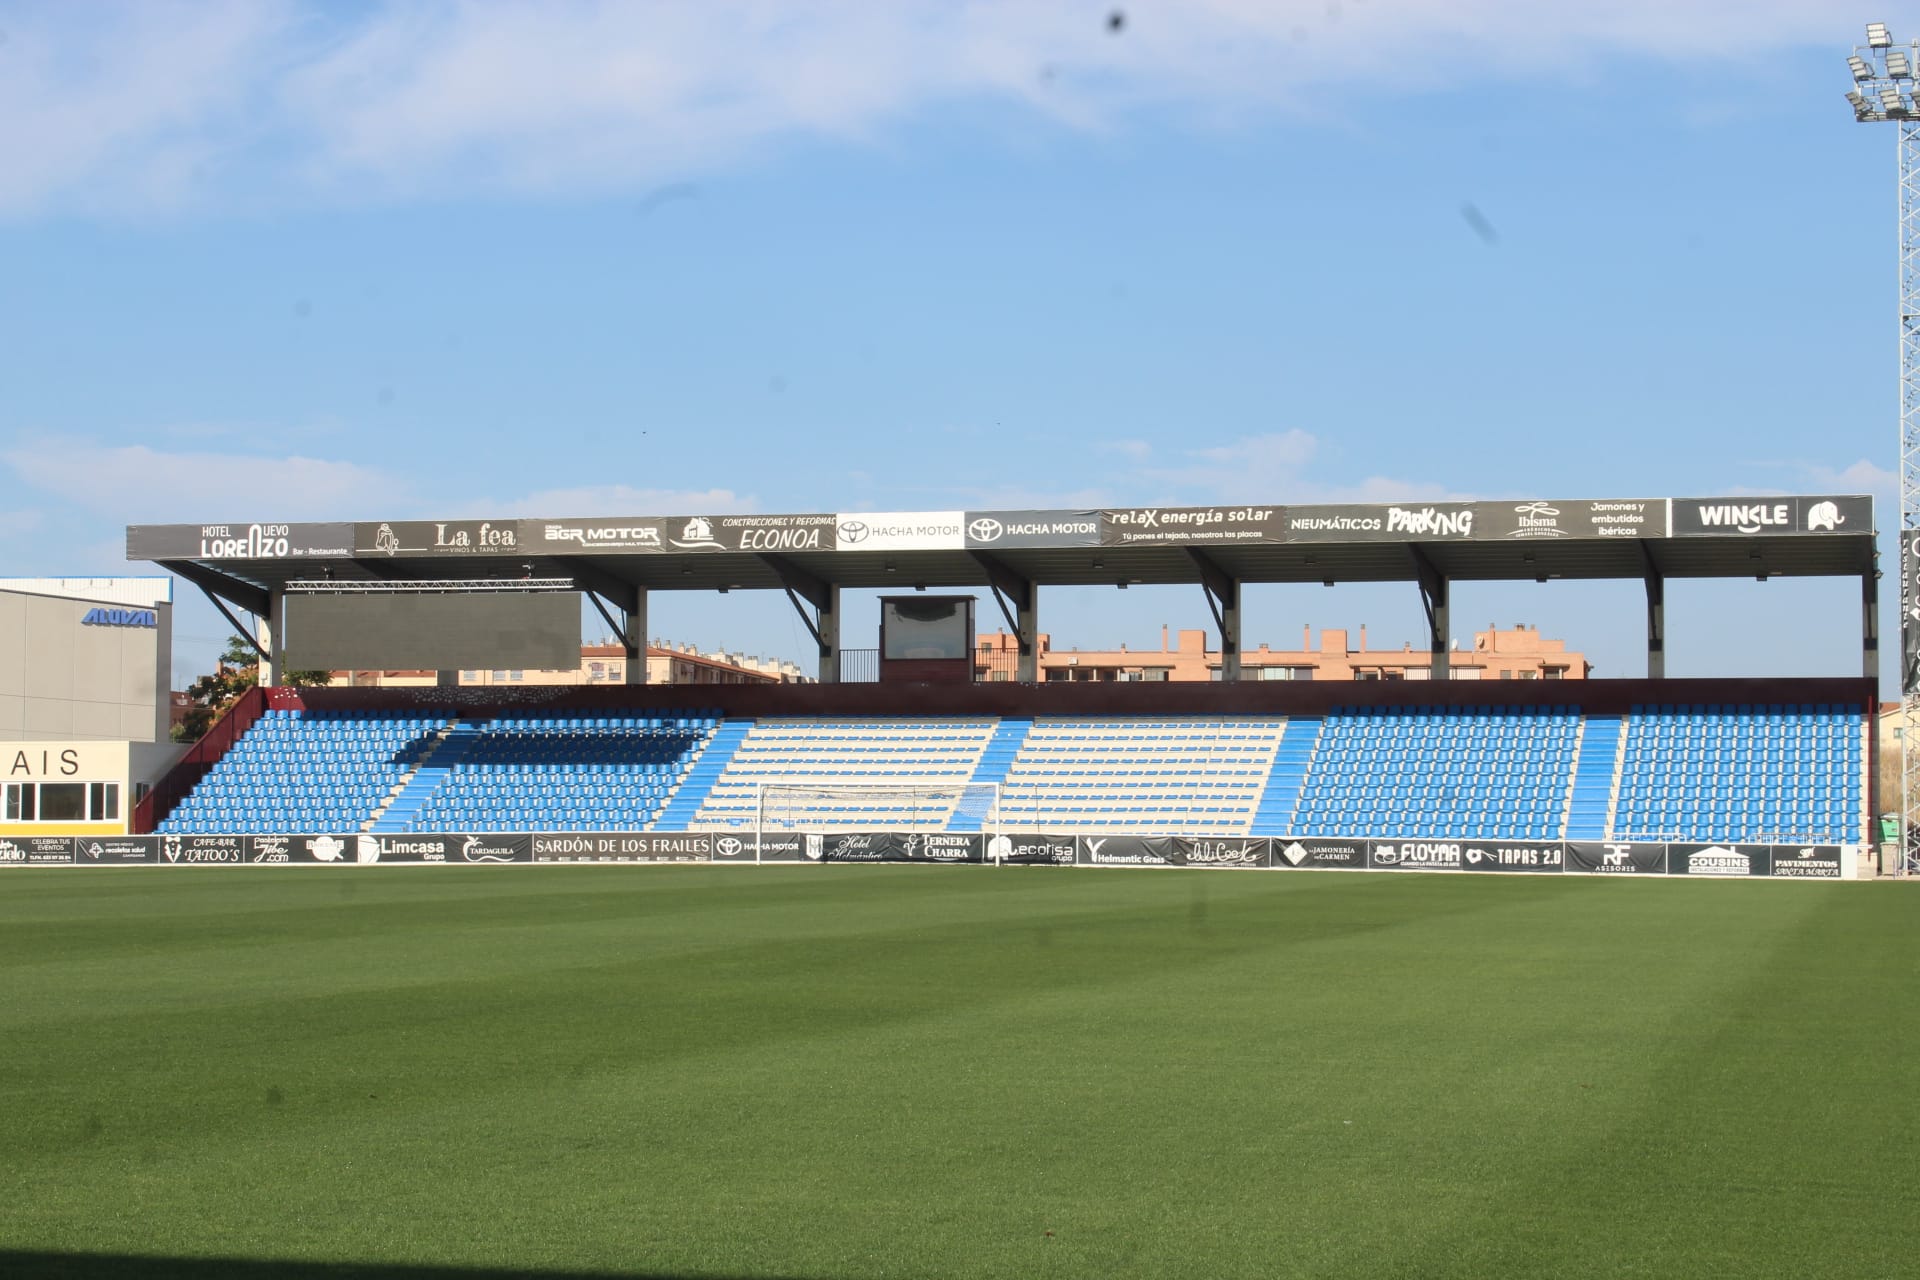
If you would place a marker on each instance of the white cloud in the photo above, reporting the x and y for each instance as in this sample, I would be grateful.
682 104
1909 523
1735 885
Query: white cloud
139 484
133 106
1269 468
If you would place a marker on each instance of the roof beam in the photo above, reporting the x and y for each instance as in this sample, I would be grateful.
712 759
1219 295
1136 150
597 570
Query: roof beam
593 578
254 600
798 581
1012 592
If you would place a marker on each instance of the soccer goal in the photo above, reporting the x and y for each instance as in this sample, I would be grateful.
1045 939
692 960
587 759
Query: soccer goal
956 806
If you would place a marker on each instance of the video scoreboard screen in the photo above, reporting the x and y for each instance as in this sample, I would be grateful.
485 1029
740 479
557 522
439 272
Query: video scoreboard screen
433 631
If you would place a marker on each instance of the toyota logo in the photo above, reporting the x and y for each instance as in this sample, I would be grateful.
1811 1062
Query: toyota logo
854 531
727 847
985 529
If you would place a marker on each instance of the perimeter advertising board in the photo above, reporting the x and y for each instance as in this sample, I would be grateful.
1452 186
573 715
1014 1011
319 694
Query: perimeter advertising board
115 851
767 846
1415 855
1033 849
184 851
1320 853
623 846
1616 858
902 846
313 850
1806 862
1718 860
36 851
1173 851
443 846
1512 855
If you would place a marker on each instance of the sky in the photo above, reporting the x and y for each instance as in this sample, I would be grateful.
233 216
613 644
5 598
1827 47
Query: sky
296 261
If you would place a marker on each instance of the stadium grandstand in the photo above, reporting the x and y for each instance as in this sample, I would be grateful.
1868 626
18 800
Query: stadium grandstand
966 746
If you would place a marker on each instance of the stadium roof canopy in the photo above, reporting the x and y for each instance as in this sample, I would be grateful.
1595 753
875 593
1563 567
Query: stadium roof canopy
1014 552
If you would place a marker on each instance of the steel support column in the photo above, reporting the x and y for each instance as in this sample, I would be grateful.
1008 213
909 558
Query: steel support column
1223 599
1870 623
1656 614
633 637
1019 601
1435 590
272 630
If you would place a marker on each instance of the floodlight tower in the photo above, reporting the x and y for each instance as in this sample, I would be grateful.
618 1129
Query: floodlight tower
1884 89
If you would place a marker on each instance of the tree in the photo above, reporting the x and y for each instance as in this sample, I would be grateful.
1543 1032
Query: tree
237 671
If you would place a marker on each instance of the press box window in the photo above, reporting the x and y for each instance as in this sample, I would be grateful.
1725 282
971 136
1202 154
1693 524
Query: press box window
63 802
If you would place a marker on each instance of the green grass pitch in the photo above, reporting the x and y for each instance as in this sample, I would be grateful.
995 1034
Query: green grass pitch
917 1071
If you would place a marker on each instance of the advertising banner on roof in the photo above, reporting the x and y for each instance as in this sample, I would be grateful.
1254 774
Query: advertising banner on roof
1584 518
777 533
571 537
1806 513
421 538
989 529
749 533
1186 526
238 541
1412 522
901 531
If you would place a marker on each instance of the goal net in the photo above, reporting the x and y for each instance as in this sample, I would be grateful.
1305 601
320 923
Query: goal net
958 806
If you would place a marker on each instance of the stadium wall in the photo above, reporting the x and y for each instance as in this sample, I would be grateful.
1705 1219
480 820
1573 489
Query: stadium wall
1591 697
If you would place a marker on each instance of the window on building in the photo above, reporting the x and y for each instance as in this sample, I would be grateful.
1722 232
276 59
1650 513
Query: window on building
63 802
20 802
1555 673
1059 675
103 801
499 677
